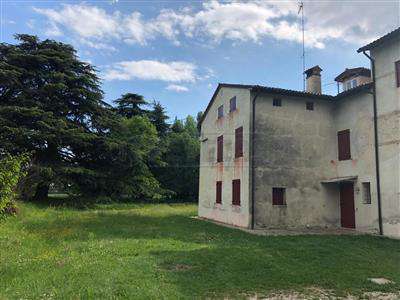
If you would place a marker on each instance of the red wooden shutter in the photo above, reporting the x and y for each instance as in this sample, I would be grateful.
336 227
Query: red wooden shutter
397 67
278 196
220 148
239 142
219 192
344 144
236 192
220 111
232 104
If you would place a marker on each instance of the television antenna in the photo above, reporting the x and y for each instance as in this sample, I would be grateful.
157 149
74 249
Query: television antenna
301 9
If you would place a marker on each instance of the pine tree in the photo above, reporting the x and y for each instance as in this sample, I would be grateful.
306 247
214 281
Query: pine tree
130 105
159 119
51 106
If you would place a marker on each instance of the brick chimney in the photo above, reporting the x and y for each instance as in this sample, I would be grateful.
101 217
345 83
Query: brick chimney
313 80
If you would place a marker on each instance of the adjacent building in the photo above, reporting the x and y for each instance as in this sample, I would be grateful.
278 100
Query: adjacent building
277 158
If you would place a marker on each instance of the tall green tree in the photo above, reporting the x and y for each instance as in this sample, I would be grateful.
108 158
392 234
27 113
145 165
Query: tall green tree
49 100
51 106
181 157
159 118
130 105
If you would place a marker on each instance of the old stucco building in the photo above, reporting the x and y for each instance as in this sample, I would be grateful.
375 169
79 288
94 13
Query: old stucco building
279 158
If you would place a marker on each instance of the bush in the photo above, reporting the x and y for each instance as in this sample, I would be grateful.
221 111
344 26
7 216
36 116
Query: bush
12 169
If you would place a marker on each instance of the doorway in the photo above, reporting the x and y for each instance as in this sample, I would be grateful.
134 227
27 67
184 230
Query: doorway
347 212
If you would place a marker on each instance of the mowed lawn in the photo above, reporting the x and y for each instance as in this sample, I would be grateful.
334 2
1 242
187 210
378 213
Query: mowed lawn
161 251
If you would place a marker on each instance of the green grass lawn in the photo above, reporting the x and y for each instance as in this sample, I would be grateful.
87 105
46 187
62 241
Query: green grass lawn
159 251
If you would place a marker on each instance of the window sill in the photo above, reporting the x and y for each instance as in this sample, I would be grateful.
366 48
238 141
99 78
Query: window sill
345 159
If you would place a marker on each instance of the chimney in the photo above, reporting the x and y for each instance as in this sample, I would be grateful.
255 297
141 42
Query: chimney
313 81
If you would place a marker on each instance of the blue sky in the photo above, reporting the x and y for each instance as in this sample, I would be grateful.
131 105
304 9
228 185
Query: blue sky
176 52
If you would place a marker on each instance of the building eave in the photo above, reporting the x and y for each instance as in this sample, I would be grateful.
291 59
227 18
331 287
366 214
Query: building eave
220 85
393 35
359 89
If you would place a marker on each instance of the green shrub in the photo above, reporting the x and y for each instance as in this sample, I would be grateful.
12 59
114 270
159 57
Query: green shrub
12 169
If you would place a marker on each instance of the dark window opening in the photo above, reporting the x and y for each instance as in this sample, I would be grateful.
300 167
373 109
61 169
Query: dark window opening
278 196
366 192
218 192
236 192
220 111
239 142
220 148
232 104
344 145
277 102
310 105
397 67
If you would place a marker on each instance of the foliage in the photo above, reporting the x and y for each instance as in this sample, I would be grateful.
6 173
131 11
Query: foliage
182 157
51 105
145 251
130 105
12 170
159 118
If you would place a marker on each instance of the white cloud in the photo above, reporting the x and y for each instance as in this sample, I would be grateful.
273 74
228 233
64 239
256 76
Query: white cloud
177 88
176 71
352 21
86 21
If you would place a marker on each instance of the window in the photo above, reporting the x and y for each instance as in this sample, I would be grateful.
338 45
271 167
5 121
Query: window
220 111
366 187
220 148
354 83
347 85
397 67
236 192
278 196
277 102
310 105
232 104
239 142
344 145
218 198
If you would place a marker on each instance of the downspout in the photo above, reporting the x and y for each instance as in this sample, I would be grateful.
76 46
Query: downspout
252 159
378 184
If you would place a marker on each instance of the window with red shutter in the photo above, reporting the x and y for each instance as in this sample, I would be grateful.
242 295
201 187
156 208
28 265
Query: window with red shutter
344 145
397 67
236 192
278 196
220 111
232 104
219 192
239 142
220 148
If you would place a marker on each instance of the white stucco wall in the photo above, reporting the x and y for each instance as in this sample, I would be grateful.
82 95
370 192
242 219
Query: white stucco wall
356 113
388 102
293 149
230 168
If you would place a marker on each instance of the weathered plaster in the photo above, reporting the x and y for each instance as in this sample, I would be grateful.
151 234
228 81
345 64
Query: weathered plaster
388 98
230 168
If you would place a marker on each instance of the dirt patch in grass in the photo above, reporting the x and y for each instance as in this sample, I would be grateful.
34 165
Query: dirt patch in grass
322 294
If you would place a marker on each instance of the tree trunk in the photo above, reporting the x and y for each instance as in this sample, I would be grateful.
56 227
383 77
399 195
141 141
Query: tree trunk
42 192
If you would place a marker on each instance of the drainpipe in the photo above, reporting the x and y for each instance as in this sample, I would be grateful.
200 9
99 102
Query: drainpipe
378 184
252 159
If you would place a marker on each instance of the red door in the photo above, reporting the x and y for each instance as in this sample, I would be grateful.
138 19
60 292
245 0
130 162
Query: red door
348 217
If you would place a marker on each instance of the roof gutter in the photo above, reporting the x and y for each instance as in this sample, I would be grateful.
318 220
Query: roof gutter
253 123
378 184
